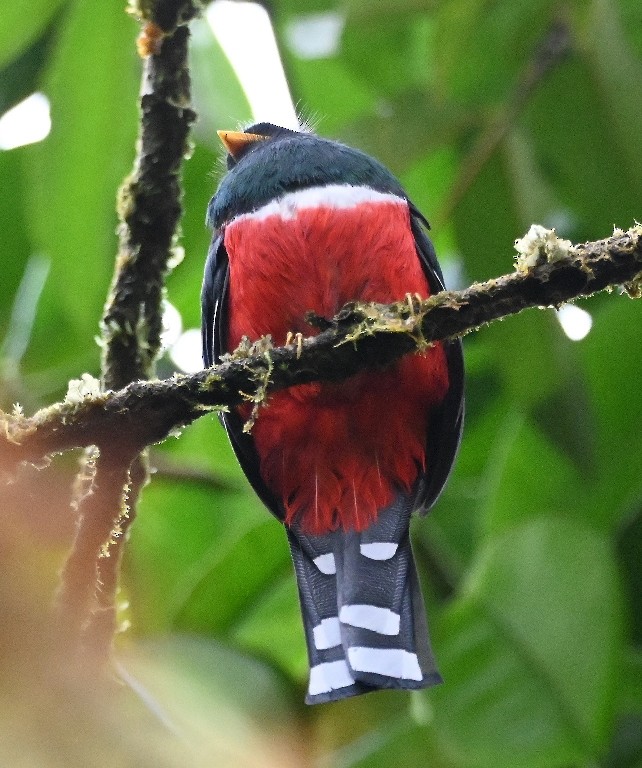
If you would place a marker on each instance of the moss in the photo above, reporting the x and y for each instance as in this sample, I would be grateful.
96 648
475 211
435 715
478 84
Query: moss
15 427
404 317
259 398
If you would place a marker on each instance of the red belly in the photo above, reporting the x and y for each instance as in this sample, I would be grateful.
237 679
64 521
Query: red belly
334 453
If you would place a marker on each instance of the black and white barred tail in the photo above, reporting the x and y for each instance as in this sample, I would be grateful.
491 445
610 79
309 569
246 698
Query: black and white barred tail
364 617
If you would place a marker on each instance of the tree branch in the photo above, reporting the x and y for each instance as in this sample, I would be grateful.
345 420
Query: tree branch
102 508
149 209
361 336
102 627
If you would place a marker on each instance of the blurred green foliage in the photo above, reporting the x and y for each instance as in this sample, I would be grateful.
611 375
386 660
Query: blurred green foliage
532 560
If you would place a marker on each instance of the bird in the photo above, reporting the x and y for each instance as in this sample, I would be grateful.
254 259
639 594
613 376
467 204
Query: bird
303 224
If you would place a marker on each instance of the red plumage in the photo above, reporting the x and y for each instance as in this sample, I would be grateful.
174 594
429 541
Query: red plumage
334 453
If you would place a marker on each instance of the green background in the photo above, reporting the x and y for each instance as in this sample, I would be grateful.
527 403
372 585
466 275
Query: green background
531 561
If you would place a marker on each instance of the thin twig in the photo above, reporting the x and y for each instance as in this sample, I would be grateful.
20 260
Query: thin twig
103 624
551 51
98 515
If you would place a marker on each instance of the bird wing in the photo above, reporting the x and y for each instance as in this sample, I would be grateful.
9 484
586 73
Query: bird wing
446 421
213 295
214 317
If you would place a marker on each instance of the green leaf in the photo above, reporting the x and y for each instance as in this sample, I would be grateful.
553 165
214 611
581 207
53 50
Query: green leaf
223 707
218 98
454 526
20 78
189 529
566 416
625 750
227 582
535 199
92 83
530 652
577 149
184 283
368 11
631 689
394 736
484 46
531 353
613 373
387 72
629 549
619 77
631 17
486 222
305 7
405 128
273 629
427 182
14 239
327 93
531 477
21 25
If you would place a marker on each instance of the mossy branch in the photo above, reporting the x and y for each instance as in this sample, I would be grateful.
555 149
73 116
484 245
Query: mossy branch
361 336
99 515
149 209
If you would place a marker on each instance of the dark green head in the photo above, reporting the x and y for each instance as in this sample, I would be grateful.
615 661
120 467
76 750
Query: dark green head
267 161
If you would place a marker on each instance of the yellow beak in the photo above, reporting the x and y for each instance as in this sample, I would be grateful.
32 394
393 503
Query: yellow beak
236 141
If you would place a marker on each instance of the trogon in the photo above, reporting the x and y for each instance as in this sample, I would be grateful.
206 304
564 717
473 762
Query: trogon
304 224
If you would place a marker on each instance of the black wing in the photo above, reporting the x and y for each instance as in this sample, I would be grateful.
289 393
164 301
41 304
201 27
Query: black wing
212 295
214 298
446 422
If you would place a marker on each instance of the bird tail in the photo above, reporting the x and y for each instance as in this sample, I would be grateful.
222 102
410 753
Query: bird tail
363 613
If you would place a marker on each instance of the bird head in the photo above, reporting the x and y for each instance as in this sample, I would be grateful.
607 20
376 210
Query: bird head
266 161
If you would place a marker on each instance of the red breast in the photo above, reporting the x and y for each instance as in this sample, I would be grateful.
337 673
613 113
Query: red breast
334 453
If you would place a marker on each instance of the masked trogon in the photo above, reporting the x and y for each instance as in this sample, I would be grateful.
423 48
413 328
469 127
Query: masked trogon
301 224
